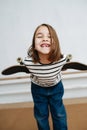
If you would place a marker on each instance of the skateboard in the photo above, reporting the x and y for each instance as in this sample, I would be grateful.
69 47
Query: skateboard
21 68
74 65
15 69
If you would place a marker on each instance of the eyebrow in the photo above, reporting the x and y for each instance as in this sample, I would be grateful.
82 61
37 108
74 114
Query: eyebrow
41 33
38 34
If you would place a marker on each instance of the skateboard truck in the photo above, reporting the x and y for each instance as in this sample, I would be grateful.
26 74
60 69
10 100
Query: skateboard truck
68 57
19 60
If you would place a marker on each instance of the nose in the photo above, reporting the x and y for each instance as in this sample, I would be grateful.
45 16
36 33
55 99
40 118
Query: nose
45 38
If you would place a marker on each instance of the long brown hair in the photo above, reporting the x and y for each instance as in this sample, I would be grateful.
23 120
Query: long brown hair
55 53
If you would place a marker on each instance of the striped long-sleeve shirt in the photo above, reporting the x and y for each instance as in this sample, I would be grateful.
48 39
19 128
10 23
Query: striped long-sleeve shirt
45 75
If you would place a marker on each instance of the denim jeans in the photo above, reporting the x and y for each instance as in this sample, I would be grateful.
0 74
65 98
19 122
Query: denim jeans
49 98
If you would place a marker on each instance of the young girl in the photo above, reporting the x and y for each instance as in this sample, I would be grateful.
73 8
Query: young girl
45 62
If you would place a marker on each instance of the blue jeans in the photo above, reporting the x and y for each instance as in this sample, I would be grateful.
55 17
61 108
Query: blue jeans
49 98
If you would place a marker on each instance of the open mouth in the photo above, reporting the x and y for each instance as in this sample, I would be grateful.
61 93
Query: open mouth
45 45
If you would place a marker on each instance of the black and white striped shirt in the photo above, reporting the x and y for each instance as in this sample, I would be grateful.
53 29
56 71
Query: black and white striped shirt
45 75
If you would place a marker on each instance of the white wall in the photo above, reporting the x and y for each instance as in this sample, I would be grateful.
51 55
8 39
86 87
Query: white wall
19 18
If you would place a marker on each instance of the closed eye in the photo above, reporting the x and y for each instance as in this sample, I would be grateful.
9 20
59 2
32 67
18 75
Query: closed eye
39 35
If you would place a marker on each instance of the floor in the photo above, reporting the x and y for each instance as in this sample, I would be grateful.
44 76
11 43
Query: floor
20 116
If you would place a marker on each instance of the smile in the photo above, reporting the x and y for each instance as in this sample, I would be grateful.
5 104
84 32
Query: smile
45 45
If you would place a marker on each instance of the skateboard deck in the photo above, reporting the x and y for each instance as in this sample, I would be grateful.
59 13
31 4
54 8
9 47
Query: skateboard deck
74 65
21 68
15 69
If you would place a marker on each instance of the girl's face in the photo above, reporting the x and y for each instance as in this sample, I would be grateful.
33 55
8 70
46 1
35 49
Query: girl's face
43 41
